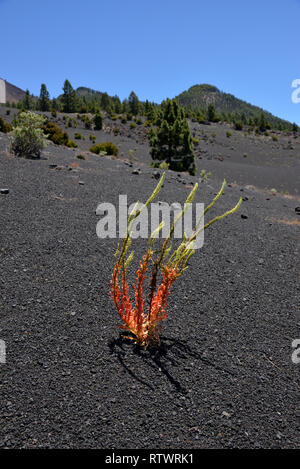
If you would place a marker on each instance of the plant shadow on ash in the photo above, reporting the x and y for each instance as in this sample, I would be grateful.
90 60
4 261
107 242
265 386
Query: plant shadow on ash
170 353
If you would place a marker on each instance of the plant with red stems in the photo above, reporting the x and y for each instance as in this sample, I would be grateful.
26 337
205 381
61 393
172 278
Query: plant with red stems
167 264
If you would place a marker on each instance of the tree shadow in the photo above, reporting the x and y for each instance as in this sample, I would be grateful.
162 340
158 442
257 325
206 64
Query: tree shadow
171 352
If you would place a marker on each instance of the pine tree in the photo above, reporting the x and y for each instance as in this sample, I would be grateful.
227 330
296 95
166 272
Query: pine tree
172 141
27 101
105 101
98 121
211 113
69 97
44 101
133 103
262 123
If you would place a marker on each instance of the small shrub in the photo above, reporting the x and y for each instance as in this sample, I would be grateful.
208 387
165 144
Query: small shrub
132 125
55 134
274 138
245 155
205 175
116 130
164 165
80 157
28 138
77 136
130 154
108 147
228 134
87 123
5 126
72 144
238 126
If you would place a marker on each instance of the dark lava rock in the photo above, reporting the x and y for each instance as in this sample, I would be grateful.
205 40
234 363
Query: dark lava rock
156 175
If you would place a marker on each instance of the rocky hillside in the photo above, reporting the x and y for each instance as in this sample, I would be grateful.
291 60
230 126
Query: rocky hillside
200 96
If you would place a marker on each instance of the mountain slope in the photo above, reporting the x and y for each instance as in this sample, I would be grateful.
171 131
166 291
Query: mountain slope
200 96
13 93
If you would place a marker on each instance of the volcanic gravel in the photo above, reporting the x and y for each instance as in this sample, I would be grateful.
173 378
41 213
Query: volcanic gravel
223 376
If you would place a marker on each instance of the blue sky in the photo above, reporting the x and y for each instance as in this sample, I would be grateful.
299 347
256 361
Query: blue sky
158 48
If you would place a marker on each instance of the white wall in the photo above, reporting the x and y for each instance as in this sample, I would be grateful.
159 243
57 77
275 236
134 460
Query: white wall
2 91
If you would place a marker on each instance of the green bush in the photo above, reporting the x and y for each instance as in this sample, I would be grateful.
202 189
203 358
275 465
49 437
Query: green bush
72 144
164 165
5 126
228 134
88 123
55 134
98 121
28 138
238 125
108 147
77 136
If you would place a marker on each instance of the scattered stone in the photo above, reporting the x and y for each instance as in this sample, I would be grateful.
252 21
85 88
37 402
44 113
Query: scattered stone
81 183
244 217
297 210
52 166
4 191
136 171
156 175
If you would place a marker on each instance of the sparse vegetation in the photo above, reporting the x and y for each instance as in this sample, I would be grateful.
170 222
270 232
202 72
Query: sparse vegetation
5 126
55 134
108 147
27 136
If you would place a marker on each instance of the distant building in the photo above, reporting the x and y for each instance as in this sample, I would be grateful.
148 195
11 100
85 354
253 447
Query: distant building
2 91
